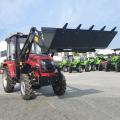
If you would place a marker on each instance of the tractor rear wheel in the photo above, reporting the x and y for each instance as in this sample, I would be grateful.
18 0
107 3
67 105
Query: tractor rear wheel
65 69
87 68
26 87
80 69
117 67
59 85
93 67
70 69
107 67
7 81
100 67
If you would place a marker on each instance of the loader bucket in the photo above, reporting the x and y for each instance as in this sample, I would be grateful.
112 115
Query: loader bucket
63 39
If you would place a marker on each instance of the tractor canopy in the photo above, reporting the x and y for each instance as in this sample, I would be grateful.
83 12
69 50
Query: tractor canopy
79 40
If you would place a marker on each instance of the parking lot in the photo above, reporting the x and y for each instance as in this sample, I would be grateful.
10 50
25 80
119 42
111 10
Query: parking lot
89 96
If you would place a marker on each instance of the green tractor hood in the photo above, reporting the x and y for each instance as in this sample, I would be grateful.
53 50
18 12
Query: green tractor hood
78 40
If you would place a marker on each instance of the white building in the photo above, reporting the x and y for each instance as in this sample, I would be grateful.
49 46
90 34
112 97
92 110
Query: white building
105 51
3 51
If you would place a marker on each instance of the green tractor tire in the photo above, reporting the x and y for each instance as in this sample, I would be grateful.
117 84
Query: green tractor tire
117 67
100 67
93 67
65 69
70 69
107 67
80 69
87 68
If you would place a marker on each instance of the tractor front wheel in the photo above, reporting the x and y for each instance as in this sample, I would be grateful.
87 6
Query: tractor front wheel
87 68
80 69
93 67
65 69
107 67
100 67
59 85
26 87
7 81
70 69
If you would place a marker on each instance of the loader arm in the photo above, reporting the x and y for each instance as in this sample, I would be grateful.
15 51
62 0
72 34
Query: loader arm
64 40
24 54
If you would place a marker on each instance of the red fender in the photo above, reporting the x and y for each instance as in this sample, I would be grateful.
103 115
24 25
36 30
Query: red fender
11 68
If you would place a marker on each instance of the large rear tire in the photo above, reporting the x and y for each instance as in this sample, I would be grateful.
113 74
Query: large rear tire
7 81
26 87
59 85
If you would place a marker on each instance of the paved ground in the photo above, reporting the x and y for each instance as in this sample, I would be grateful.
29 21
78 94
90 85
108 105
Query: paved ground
89 96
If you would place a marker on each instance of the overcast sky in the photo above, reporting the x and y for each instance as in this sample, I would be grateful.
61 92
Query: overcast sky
20 15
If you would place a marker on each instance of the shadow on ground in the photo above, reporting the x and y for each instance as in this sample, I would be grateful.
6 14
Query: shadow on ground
70 92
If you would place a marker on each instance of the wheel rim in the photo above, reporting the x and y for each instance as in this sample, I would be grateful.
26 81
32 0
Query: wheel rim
79 69
65 69
93 67
23 88
4 78
89 67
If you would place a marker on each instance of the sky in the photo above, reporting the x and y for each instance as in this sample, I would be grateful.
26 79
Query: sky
21 15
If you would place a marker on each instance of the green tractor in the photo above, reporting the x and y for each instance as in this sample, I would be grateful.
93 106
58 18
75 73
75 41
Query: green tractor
117 61
117 64
92 64
80 65
75 65
113 64
63 65
99 60
88 64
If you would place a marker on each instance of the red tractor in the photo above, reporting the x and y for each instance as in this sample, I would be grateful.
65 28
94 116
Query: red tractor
27 65
29 57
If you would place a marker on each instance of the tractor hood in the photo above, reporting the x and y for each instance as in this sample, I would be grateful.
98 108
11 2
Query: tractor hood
63 39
